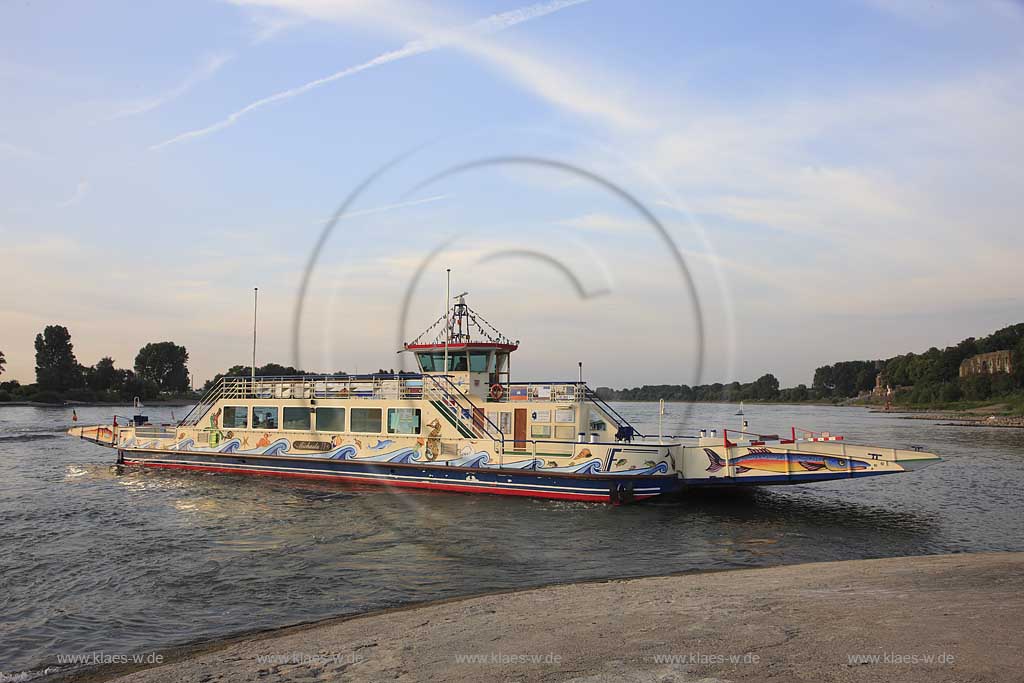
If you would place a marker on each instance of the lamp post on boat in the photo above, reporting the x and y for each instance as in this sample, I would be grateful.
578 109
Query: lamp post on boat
255 300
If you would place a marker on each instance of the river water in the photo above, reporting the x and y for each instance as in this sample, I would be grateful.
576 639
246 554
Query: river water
96 560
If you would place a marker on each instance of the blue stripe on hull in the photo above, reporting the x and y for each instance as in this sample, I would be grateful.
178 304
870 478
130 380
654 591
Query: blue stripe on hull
508 482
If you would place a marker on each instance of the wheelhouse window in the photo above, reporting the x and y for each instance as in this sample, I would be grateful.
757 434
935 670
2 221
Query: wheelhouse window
297 419
235 417
330 419
478 361
264 417
367 420
457 362
403 420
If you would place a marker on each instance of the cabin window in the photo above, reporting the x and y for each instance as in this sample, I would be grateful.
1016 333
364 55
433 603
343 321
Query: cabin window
540 431
478 361
502 420
366 420
296 418
235 417
541 416
330 419
597 425
264 417
403 420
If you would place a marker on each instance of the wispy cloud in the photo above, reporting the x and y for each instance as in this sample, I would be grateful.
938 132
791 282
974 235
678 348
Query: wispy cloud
208 68
488 25
269 25
388 207
81 190
8 149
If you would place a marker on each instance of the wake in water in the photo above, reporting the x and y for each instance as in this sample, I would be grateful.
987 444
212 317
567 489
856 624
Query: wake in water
27 437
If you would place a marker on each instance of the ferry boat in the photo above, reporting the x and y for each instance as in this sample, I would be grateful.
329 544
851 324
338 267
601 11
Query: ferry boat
462 424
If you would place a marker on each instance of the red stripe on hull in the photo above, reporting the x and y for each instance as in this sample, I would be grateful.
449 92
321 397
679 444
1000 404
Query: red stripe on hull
591 498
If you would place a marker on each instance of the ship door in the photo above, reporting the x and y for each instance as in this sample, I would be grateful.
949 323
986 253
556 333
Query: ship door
519 428
479 420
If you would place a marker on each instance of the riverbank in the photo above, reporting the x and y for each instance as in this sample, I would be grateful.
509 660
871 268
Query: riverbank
994 415
931 619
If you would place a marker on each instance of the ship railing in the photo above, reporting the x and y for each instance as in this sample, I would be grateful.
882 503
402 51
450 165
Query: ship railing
155 432
377 386
560 392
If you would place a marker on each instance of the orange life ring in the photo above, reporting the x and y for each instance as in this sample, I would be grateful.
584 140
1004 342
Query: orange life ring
497 391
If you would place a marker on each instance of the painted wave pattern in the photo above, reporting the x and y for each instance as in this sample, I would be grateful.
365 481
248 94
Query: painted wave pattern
469 459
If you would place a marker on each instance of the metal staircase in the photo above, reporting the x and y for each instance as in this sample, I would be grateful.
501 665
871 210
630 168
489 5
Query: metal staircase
459 410
592 396
207 402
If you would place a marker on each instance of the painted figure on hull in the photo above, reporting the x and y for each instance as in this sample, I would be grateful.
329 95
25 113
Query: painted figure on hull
215 435
783 463
434 440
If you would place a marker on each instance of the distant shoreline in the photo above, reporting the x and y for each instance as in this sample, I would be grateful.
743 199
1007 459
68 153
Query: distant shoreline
172 403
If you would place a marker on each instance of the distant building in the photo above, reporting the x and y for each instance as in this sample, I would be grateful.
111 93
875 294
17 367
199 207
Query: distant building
987 364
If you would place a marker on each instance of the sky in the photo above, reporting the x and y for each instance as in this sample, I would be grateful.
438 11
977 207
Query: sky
669 192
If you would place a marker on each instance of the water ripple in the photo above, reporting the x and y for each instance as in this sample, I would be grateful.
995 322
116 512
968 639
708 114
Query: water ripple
97 558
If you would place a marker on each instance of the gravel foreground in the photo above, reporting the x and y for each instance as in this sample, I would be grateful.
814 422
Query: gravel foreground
935 619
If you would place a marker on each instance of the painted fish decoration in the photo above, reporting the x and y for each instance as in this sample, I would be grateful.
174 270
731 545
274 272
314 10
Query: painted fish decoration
784 462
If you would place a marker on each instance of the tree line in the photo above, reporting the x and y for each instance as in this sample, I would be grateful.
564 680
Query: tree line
159 368
764 388
917 378
276 370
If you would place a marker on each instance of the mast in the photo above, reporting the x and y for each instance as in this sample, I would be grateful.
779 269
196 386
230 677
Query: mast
447 324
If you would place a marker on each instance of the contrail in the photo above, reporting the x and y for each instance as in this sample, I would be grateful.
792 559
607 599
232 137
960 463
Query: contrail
387 207
491 24
209 68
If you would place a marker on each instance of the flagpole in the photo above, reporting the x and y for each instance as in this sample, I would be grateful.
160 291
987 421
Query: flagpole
447 324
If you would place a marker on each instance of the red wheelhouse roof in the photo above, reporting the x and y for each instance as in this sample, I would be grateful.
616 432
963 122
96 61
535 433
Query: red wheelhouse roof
463 345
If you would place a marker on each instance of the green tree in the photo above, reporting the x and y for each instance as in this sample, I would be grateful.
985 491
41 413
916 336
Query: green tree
976 387
766 387
165 364
104 375
56 367
799 393
136 386
3 362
